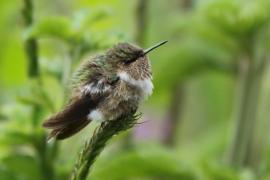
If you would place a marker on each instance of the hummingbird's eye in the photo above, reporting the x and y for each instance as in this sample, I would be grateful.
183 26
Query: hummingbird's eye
133 57
130 60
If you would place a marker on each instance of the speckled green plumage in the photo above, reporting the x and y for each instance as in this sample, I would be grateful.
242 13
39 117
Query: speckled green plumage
90 70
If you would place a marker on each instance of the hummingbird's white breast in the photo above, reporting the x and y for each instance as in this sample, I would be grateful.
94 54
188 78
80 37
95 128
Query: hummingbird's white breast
145 85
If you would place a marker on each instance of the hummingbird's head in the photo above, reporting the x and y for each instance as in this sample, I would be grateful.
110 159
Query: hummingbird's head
124 53
131 59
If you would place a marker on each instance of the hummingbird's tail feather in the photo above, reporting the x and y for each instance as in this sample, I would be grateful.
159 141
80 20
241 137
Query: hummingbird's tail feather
69 130
70 120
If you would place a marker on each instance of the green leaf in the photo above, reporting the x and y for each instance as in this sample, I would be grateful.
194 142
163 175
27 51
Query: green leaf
26 100
6 174
140 163
13 137
238 18
23 166
84 19
36 94
51 27
220 171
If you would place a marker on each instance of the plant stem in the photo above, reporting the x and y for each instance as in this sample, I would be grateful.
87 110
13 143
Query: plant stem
256 143
44 157
176 101
174 111
141 21
31 46
31 50
97 143
250 84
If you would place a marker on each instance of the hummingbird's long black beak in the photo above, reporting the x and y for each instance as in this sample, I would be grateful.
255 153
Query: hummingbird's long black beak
154 47
146 52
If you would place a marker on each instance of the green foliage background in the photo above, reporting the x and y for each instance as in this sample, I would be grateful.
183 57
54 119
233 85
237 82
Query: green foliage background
208 40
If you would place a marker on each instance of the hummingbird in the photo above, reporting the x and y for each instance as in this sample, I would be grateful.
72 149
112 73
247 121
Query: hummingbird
105 87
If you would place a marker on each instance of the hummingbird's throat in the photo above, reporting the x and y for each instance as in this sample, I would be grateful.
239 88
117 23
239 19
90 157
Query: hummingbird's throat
144 85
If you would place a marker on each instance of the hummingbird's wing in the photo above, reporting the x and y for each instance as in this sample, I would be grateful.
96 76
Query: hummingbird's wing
93 77
91 84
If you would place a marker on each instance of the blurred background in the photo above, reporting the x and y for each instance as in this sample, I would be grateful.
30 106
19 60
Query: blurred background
208 117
